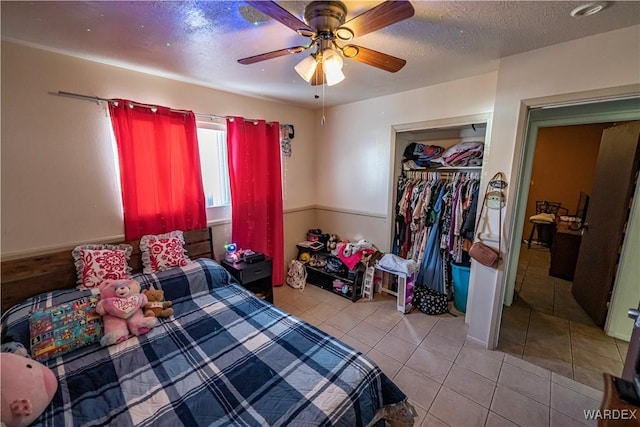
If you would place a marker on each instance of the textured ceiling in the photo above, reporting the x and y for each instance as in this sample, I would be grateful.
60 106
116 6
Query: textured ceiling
200 41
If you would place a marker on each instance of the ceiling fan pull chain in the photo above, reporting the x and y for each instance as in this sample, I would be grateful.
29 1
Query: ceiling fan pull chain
322 120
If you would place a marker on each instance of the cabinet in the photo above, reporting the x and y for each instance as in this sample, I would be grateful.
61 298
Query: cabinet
564 251
255 277
327 271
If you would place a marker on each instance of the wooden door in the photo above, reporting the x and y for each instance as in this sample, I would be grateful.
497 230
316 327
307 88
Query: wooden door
608 212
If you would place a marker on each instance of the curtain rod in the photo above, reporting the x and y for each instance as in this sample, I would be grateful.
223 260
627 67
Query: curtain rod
98 99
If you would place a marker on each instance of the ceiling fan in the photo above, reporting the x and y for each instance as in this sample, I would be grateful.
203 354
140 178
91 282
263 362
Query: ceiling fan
326 27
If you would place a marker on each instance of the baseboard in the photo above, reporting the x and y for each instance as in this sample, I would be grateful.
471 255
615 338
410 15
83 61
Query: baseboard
478 342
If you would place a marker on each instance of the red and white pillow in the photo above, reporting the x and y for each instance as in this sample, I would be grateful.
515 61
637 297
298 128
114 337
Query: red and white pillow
163 251
95 263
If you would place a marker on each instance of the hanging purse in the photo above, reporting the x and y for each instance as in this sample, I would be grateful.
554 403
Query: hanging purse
479 251
484 254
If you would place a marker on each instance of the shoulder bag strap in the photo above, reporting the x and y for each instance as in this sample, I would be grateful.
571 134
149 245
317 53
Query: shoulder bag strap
484 203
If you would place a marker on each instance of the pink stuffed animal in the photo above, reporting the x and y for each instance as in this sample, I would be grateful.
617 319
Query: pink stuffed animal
120 306
27 388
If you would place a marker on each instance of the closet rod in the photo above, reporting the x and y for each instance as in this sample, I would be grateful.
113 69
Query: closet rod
98 99
448 174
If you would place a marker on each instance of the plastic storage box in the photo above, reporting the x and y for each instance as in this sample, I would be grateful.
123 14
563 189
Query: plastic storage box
460 276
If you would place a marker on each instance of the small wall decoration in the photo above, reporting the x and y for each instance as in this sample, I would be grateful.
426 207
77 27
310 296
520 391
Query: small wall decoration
286 135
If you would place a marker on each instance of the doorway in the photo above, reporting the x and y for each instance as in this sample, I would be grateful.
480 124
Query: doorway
545 325
541 322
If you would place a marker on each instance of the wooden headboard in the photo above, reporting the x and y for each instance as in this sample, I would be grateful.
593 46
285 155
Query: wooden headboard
25 277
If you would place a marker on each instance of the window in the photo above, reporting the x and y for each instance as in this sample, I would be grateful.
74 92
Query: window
212 142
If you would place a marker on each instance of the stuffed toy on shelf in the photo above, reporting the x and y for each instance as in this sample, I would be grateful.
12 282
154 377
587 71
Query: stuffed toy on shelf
156 305
332 244
120 306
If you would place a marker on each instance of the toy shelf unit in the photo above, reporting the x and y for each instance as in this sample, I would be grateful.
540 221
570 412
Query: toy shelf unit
328 272
397 284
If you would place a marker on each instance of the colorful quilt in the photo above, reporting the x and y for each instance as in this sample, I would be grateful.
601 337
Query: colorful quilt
225 358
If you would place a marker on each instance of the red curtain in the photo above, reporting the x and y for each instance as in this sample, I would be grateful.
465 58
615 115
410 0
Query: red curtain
253 149
161 182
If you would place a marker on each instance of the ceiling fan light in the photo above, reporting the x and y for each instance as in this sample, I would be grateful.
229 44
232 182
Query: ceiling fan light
331 60
333 77
306 68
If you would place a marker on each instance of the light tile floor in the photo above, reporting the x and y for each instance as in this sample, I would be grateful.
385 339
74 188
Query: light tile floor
546 326
449 380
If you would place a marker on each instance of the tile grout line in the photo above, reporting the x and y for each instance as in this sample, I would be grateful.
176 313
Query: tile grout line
526 334
573 362
550 395
493 395
495 388
553 298
622 358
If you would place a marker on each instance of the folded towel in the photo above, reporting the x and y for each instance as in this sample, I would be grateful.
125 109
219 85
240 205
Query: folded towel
545 218
392 262
463 146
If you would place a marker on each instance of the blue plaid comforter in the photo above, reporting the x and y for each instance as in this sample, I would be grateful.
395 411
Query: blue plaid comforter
224 358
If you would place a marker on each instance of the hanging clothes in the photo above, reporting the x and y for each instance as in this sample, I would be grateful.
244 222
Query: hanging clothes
431 212
430 273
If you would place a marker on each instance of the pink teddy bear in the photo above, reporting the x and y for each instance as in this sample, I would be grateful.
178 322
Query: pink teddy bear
121 306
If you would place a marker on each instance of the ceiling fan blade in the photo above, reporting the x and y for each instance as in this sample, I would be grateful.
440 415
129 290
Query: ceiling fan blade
277 12
271 55
318 75
374 58
380 16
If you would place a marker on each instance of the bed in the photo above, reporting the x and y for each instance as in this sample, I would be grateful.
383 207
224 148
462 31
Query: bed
224 358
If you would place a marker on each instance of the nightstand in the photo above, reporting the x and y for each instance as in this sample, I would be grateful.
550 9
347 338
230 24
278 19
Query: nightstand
255 277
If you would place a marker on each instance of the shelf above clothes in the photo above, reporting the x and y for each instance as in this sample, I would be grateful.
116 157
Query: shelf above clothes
454 168
436 168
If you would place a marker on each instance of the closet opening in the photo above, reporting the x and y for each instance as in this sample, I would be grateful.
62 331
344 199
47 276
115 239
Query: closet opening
436 173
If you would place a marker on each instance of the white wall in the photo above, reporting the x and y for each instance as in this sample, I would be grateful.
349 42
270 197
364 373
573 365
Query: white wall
562 71
356 149
59 182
